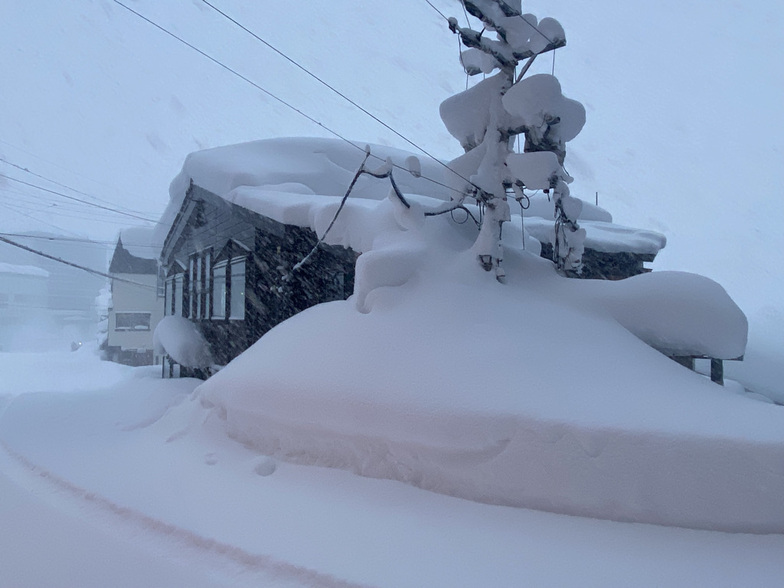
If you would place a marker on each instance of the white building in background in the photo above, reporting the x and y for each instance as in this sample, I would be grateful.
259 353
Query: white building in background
24 291
68 314
137 298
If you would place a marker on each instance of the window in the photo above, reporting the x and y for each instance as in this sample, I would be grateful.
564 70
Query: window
132 321
219 290
168 299
192 287
199 287
237 289
199 290
178 293
205 277
161 282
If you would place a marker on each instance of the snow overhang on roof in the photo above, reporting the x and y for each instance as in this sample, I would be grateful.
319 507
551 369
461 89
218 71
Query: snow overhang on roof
290 178
299 165
603 236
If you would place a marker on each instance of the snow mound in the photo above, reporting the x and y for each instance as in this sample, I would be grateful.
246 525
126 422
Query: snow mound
679 314
536 397
181 340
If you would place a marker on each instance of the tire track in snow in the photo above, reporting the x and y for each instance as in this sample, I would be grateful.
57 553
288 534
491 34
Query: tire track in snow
279 570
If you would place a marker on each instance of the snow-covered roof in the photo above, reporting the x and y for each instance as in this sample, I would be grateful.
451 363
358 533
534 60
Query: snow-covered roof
297 166
602 236
300 181
23 270
138 241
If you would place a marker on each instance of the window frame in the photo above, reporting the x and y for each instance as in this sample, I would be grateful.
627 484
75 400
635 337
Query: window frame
222 296
233 313
135 328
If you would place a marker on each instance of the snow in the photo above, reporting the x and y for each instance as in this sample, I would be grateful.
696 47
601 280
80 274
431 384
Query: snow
138 241
179 338
309 165
464 120
679 314
23 270
134 483
602 236
535 169
151 464
537 98
570 394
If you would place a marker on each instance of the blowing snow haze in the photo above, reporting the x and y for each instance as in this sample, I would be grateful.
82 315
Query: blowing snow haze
683 134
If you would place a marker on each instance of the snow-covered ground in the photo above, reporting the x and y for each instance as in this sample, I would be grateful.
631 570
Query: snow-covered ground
132 482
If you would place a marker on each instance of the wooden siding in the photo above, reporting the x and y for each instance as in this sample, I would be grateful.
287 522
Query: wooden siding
598 265
270 249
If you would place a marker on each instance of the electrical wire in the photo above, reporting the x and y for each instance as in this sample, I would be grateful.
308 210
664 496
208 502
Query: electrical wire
534 27
74 198
299 111
76 265
77 240
56 183
321 81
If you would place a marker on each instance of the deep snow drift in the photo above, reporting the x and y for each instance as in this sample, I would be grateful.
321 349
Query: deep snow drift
131 482
533 393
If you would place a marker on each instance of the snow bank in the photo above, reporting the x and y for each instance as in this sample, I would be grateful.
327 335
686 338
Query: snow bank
182 341
540 396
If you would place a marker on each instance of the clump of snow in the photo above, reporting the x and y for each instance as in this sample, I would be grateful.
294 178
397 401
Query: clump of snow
464 115
536 99
679 313
535 169
182 341
265 466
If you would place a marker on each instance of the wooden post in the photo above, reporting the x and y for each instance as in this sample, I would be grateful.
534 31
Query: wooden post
717 371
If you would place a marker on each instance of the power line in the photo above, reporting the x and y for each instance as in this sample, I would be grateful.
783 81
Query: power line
63 212
533 26
25 201
336 91
76 265
70 171
235 72
20 213
294 108
87 202
56 183
75 240
433 6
